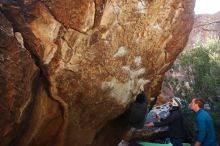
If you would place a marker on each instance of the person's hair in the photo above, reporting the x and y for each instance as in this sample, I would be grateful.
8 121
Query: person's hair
141 98
199 101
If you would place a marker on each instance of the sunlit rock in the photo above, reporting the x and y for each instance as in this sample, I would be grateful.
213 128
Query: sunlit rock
96 57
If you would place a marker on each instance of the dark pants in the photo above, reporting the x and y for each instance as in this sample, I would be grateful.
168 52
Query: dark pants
176 141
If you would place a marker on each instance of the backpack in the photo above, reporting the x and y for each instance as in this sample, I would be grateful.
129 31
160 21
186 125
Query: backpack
189 128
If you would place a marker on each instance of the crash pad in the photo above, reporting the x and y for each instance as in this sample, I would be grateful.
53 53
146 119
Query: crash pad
158 144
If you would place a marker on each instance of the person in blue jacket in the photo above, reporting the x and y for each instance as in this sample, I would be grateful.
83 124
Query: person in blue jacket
206 131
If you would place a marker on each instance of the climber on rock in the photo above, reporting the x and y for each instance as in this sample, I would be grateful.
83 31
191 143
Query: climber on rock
137 114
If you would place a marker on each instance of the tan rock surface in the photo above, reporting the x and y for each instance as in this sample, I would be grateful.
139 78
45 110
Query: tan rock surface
96 55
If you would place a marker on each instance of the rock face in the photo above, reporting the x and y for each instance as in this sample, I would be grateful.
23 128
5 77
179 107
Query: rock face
25 106
17 71
205 27
93 57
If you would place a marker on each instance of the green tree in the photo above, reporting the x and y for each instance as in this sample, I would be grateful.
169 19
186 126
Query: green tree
202 68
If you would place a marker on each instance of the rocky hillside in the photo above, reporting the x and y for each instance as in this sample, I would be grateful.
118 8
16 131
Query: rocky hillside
70 68
205 26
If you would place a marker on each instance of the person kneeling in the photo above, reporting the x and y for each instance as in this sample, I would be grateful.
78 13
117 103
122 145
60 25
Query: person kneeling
175 123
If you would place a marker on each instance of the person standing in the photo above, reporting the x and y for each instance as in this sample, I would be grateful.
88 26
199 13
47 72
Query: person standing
175 123
206 131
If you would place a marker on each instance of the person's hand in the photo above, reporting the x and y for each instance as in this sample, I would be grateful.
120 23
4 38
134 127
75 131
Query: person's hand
151 124
157 117
197 143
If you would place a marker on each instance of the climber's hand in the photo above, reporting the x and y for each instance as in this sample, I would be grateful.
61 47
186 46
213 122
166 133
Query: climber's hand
157 117
151 124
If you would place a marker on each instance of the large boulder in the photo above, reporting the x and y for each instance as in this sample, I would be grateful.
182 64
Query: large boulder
94 58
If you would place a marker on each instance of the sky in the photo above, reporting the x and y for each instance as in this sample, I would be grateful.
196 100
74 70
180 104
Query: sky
207 6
